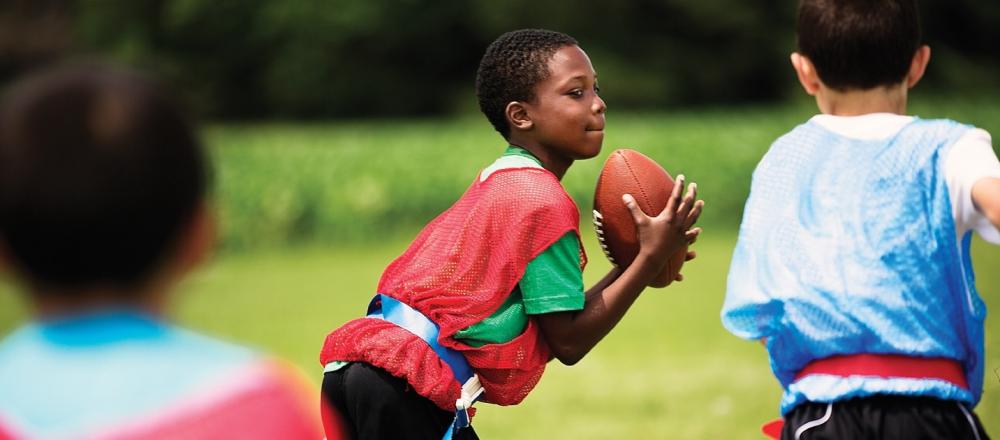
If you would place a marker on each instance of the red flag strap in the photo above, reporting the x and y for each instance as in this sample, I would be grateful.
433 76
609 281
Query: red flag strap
888 366
878 365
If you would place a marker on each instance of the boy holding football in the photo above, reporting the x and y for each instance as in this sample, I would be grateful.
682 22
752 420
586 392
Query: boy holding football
492 288
852 264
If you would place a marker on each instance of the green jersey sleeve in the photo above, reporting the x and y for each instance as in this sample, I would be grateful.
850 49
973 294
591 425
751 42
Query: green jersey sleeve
553 281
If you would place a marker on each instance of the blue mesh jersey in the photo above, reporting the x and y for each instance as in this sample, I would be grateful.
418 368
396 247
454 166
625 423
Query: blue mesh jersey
67 377
849 246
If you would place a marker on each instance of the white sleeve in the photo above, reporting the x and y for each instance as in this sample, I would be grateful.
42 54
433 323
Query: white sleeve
969 160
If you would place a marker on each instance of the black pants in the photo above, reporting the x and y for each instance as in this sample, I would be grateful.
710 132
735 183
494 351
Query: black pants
375 405
883 417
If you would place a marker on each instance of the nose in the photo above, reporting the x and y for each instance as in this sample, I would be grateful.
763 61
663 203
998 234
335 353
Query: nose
598 106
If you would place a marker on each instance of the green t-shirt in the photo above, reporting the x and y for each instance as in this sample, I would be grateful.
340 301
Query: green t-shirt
552 281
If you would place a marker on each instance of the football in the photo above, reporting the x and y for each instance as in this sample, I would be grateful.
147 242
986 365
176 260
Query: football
630 172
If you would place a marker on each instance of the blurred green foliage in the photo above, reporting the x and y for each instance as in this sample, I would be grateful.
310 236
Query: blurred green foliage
238 59
284 183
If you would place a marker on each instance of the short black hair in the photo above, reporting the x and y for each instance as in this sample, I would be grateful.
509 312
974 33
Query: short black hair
99 174
511 68
859 44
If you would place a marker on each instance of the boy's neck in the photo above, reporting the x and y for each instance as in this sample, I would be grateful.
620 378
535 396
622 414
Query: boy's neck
554 164
51 303
886 99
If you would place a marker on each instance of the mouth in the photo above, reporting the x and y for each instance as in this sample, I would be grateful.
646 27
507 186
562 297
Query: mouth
598 125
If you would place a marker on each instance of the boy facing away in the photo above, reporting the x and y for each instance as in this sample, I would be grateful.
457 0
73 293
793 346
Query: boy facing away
492 289
852 264
102 212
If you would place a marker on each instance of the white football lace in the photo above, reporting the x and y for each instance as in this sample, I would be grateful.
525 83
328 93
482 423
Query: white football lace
599 227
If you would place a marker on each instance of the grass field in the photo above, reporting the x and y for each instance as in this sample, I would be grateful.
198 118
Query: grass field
311 213
669 370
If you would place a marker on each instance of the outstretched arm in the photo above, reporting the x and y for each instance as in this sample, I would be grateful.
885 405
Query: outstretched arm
986 196
571 335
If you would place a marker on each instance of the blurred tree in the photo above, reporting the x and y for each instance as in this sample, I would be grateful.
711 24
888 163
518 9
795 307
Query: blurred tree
33 32
964 37
358 58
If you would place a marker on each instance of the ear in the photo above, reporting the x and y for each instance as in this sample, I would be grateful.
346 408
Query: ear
517 116
918 65
806 72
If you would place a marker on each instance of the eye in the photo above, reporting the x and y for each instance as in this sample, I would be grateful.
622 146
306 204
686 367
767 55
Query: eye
576 93
597 89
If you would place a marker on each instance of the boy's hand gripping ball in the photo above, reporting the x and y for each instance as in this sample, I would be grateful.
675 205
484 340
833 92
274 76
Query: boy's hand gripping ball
630 172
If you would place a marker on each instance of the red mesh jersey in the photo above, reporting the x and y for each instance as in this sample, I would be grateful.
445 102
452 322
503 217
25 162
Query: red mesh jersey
459 270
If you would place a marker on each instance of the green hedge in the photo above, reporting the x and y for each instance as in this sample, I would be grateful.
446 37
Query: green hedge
280 184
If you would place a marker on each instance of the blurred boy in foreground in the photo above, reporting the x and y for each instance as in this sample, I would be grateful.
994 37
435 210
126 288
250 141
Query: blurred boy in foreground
102 211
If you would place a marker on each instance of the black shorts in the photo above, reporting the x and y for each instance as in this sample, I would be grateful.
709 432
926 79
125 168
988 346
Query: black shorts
375 405
883 417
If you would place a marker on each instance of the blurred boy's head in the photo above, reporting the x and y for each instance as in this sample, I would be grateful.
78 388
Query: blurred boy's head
511 68
100 178
859 44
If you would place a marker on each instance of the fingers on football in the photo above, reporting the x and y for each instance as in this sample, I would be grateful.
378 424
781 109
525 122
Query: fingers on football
694 214
638 216
675 198
691 235
684 211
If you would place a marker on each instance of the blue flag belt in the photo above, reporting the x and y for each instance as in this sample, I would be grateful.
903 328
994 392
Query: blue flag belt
401 314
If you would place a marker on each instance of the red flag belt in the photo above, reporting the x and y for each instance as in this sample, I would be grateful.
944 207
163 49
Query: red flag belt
888 366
